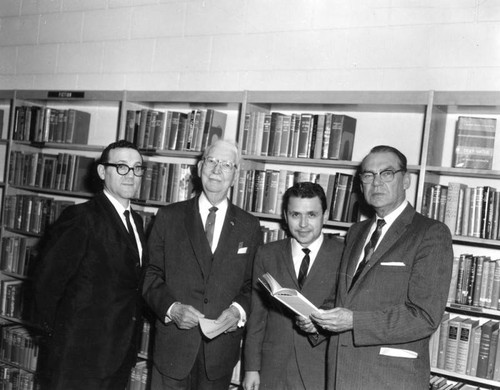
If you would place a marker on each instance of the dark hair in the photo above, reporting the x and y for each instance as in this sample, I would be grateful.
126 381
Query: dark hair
305 189
387 149
115 145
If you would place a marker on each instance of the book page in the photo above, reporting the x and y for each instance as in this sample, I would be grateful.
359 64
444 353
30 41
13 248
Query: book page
212 329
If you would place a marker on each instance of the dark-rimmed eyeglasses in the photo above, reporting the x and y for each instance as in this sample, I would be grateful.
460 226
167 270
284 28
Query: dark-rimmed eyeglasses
387 175
225 166
124 169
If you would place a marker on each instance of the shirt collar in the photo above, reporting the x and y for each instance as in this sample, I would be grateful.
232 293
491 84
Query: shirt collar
393 215
117 205
314 246
204 204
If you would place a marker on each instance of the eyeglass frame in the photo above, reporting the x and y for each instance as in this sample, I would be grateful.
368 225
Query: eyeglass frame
374 174
118 165
212 163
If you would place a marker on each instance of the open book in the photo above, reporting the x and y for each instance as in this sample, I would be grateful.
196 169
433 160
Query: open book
290 297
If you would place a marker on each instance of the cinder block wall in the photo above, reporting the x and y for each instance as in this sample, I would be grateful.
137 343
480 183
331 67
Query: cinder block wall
250 44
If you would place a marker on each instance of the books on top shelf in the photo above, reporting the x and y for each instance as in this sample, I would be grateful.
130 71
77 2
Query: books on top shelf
474 142
46 124
298 135
174 130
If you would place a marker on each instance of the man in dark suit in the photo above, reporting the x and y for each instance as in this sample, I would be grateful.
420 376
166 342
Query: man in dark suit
198 272
87 283
278 355
394 281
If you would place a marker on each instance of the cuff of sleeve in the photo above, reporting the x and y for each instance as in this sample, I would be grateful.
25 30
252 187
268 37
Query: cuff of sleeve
243 315
168 318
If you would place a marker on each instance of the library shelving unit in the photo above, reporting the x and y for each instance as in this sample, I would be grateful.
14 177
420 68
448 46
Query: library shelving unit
419 123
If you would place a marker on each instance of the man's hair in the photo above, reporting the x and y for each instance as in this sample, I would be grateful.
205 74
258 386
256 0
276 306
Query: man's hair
115 145
230 144
305 189
387 149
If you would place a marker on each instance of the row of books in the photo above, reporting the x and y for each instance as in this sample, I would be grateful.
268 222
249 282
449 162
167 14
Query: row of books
475 281
139 376
32 213
166 182
466 346
320 136
13 378
46 124
63 171
474 142
19 346
438 382
261 191
17 254
270 235
146 336
467 211
174 130
11 298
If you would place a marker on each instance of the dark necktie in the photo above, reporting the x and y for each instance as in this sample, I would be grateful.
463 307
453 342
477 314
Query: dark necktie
130 229
369 249
209 225
304 267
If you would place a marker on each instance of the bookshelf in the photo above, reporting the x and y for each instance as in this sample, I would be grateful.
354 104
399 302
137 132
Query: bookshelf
419 123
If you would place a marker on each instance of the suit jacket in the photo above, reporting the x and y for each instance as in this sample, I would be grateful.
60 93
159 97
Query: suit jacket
87 291
272 338
183 269
397 304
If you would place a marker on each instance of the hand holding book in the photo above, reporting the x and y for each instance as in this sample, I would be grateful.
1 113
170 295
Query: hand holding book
290 297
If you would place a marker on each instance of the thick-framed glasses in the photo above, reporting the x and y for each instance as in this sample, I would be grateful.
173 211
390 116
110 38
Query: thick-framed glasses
225 166
387 175
124 169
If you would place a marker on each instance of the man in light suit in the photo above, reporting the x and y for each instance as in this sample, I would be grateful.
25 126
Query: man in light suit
198 272
278 355
87 292
392 294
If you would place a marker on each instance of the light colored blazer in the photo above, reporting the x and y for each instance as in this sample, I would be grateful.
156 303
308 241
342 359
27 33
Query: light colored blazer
398 302
272 337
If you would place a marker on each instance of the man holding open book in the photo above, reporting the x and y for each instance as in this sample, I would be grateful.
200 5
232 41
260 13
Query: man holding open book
278 355
393 286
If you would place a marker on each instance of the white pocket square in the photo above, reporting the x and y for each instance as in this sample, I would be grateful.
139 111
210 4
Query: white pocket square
242 250
395 352
393 263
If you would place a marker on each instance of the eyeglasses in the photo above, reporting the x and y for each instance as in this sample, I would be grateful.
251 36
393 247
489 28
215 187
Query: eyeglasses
124 169
387 175
225 166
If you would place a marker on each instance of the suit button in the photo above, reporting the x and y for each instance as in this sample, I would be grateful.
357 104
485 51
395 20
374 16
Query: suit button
134 319
205 300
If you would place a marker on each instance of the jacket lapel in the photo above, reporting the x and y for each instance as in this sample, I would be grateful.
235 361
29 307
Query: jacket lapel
390 238
355 252
287 260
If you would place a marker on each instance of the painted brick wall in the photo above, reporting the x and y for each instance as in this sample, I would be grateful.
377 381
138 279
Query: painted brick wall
250 44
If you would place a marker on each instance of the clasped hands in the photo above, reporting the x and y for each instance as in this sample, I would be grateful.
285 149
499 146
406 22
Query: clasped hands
187 317
336 320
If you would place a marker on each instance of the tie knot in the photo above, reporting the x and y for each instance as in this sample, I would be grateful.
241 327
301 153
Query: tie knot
213 209
306 251
380 223
126 213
